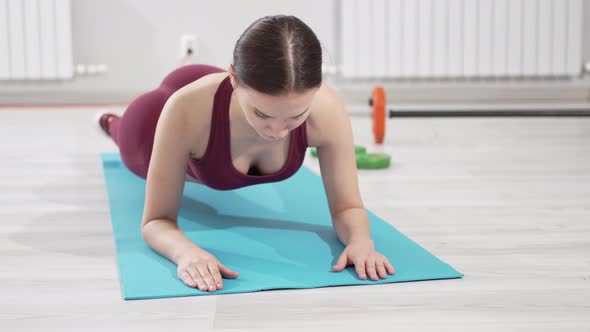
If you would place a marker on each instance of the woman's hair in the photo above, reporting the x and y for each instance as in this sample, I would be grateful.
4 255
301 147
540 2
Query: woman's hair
278 54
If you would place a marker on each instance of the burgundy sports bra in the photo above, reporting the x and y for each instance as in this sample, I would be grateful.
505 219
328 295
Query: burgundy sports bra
216 170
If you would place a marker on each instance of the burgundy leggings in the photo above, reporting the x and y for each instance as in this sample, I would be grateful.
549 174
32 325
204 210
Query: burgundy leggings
134 131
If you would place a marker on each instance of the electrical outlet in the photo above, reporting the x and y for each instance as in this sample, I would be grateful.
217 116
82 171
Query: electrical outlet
189 46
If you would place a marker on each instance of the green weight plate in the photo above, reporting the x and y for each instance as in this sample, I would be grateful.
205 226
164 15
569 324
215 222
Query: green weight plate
373 161
314 152
357 150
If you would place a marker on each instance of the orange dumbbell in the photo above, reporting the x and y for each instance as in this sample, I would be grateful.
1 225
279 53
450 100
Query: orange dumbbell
378 103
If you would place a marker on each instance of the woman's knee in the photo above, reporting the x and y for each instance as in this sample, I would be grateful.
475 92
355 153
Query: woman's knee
139 169
137 127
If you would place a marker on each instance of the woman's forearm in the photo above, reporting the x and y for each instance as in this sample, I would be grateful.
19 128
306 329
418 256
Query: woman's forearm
166 238
352 225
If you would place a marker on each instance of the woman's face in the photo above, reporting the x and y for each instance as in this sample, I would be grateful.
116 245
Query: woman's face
273 117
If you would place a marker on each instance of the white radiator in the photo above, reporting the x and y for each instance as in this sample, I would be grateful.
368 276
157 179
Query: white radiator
35 40
460 38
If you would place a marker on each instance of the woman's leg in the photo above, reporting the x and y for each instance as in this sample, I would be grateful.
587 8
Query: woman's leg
134 131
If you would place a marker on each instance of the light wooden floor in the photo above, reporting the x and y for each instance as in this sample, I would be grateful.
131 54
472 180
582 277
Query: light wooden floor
504 200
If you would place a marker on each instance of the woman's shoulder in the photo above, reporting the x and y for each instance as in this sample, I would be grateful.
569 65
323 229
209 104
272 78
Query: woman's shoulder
193 104
327 113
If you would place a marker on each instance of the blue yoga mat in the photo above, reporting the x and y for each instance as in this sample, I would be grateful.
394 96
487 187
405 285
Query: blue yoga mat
275 235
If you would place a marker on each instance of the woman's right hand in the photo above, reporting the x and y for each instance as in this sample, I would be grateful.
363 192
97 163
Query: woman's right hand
198 268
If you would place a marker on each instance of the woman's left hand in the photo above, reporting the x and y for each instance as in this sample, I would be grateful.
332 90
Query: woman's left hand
365 259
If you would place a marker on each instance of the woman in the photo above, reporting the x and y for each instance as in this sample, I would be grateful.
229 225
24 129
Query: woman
249 125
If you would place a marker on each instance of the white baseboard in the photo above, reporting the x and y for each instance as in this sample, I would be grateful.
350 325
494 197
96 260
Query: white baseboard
405 96
445 108
432 93
61 97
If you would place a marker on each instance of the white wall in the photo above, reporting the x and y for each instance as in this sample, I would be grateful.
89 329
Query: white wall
139 40
586 22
